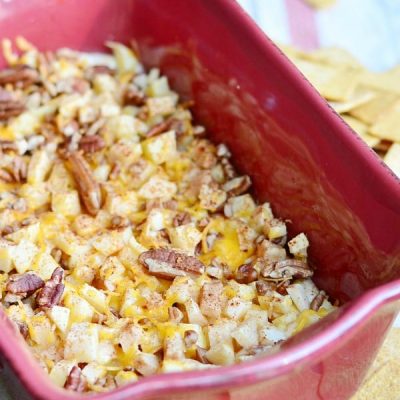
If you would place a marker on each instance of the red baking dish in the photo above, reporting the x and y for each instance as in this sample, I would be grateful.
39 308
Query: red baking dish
301 156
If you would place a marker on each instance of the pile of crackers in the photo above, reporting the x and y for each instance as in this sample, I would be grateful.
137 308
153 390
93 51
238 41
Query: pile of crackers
370 104
368 101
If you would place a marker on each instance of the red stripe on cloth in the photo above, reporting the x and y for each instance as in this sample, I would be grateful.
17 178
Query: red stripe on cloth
302 24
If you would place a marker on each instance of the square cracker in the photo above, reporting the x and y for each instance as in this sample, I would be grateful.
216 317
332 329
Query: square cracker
361 129
370 111
392 159
387 126
334 83
360 96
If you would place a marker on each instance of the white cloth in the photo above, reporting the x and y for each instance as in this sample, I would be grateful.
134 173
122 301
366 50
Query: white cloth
369 29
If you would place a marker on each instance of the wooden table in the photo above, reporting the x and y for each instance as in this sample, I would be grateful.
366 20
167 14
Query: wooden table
383 379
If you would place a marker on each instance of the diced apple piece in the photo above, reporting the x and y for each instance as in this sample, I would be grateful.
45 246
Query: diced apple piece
183 365
298 245
236 308
185 237
59 373
246 333
124 377
125 58
146 364
93 372
29 233
41 331
60 317
82 343
35 195
221 354
161 148
66 203
194 314
24 254
95 297
221 332
157 187
105 353
39 167
81 310
6 255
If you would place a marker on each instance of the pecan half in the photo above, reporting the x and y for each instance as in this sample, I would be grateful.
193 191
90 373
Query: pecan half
9 105
24 284
291 269
88 187
168 263
76 381
52 291
91 144
20 76
318 300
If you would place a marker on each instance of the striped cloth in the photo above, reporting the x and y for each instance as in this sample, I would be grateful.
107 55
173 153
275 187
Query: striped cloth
369 29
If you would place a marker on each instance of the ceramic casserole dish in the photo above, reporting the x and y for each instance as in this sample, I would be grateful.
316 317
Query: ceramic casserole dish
301 157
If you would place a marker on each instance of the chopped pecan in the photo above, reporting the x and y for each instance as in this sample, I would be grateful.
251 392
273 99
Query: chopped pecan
118 222
97 70
157 203
20 76
201 355
24 284
56 253
204 155
246 274
133 96
264 287
52 291
291 269
159 128
190 338
223 151
23 329
237 186
5 176
9 105
88 187
168 263
18 169
175 314
229 171
91 144
76 381
318 300
256 350
7 144
182 218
